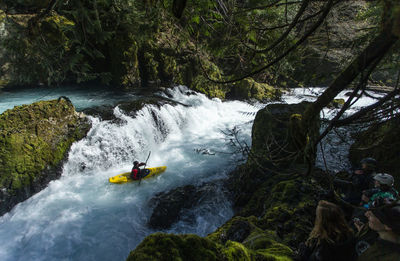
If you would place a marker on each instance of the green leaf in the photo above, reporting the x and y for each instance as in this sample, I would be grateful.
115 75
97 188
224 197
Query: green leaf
252 36
196 19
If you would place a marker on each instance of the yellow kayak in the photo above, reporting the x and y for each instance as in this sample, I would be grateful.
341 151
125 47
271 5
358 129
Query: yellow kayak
125 177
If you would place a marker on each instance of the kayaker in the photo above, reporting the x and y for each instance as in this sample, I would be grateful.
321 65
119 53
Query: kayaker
136 171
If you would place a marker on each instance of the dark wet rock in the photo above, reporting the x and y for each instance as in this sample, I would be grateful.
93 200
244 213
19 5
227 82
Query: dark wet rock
169 206
238 231
106 112
34 140
190 93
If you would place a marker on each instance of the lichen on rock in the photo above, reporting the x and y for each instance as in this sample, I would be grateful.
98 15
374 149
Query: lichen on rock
34 140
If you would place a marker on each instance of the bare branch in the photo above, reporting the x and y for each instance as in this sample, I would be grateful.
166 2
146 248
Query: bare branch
327 8
367 109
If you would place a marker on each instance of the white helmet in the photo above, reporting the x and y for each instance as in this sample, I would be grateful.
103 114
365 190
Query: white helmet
384 178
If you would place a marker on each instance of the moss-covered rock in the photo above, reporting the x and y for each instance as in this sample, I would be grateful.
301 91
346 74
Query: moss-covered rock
278 140
248 88
160 246
34 141
381 141
336 103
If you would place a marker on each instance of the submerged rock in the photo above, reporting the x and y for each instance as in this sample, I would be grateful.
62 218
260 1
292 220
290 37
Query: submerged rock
34 139
169 206
106 112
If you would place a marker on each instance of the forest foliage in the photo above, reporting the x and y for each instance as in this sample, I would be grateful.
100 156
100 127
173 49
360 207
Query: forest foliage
54 42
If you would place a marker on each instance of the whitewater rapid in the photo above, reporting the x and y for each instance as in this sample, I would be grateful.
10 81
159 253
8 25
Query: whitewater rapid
81 216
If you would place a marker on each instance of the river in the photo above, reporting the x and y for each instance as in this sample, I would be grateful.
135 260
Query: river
81 216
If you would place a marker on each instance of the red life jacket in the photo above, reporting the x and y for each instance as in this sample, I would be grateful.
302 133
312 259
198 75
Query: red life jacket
134 173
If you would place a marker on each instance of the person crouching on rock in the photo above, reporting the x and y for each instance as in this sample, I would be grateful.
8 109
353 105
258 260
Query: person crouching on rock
331 237
136 171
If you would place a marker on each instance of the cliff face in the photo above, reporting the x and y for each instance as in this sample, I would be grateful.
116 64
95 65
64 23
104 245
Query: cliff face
275 203
34 140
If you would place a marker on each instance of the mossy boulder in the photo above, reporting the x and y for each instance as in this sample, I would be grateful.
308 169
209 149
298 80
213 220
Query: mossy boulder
278 141
34 140
380 141
336 104
283 203
160 246
248 88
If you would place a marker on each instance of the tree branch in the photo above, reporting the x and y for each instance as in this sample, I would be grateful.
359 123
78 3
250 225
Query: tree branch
374 52
288 30
327 8
367 109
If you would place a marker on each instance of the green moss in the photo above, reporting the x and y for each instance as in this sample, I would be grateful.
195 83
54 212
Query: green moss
336 103
278 139
160 246
248 88
54 29
236 251
221 233
33 137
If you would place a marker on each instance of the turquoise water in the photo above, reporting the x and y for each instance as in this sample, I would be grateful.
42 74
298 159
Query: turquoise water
81 97
81 216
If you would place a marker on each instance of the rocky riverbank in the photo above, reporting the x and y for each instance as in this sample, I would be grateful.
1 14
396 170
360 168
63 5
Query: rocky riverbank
34 142
274 201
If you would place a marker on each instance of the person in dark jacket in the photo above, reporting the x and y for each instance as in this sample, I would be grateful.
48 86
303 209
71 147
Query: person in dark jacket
385 220
136 172
331 237
360 180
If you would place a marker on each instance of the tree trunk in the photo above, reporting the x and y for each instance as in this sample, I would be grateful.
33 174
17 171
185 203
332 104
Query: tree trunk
374 51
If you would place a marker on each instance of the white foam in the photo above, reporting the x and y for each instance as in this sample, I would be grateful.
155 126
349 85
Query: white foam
82 217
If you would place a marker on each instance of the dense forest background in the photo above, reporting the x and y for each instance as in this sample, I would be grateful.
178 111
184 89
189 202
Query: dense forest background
130 44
